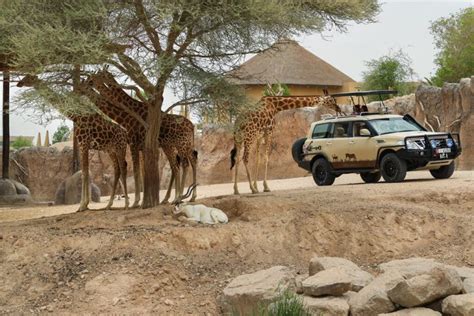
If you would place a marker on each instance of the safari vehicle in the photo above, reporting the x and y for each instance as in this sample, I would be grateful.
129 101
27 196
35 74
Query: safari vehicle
374 145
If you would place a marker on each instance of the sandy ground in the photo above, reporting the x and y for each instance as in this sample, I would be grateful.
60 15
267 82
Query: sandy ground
146 261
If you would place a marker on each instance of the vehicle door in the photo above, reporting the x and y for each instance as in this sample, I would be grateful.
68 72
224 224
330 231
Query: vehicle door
318 144
361 146
341 155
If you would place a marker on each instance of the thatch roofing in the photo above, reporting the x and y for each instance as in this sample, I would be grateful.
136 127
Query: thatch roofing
289 63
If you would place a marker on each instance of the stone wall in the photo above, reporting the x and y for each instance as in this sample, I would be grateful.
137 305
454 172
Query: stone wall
450 108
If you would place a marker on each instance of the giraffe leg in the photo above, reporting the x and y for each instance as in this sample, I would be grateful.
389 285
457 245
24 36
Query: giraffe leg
177 184
257 162
123 173
169 155
85 180
185 165
236 169
267 152
116 165
170 187
246 162
193 160
136 175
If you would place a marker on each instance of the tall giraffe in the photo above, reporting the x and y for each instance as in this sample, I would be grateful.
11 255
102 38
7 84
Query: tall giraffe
176 133
256 125
93 131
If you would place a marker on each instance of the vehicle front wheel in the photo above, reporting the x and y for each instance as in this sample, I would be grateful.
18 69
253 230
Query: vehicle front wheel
443 172
393 168
322 172
371 177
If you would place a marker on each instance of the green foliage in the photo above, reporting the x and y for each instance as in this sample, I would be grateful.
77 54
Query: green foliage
392 71
454 38
277 89
61 134
21 142
286 304
155 43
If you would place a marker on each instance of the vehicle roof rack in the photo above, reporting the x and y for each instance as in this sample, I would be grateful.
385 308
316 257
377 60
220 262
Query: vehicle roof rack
363 93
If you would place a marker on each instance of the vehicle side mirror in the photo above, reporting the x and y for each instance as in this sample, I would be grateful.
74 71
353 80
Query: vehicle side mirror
364 132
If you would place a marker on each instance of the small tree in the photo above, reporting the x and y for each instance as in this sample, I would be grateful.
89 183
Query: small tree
392 71
61 134
21 142
454 38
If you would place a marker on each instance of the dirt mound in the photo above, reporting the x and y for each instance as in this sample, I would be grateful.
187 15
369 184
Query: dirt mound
142 261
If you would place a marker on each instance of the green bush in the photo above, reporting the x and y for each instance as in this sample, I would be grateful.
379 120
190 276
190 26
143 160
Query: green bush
21 142
286 304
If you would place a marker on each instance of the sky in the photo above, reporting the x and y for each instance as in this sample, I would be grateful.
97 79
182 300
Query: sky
401 24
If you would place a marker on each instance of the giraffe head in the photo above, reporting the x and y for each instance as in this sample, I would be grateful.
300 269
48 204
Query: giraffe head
28 81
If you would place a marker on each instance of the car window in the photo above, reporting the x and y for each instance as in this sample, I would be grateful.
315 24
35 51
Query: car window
341 129
394 125
357 126
321 131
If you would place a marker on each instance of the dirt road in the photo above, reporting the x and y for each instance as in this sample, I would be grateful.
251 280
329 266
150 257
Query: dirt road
356 184
144 261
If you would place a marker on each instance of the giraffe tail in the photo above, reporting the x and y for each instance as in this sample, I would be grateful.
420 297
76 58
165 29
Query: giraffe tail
233 153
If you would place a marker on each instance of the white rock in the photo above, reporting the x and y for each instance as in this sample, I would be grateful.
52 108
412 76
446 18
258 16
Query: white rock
464 272
468 285
330 306
318 264
459 305
425 288
247 292
417 311
373 299
334 281
359 277
410 267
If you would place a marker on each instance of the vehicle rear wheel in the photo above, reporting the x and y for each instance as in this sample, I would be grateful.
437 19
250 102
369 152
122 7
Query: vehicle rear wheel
443 172
371 177
322 172
297 150
393 168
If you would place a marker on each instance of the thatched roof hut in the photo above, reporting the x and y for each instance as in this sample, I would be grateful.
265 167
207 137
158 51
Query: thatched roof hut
287 62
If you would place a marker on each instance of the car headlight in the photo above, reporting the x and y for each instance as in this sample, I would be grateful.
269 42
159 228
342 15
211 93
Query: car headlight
449 142
415 143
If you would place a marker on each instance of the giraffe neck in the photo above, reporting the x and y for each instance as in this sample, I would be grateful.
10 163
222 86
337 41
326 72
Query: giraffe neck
116 94
278 104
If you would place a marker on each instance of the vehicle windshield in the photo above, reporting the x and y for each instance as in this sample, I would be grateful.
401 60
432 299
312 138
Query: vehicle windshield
394 125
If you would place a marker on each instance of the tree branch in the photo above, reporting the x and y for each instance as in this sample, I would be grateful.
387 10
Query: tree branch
150 31
185 102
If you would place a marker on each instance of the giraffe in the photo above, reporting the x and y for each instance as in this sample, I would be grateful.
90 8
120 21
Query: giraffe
256 125
176 133
93 131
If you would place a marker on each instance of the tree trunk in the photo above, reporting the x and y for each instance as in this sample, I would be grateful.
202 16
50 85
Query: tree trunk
151 193
6 125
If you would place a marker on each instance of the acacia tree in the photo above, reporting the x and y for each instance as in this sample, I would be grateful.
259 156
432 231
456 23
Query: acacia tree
392 71
160 43
454 38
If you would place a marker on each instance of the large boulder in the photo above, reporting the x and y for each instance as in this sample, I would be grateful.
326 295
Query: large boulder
410 267
426 287
373 299
359 278
464 272
468 285
459 305
417 311
13 192
330 306
70 190
248 292
334 281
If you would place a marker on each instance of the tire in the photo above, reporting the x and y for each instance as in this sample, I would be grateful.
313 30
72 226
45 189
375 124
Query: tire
297 150
393 168
443 172
371 177
321 171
